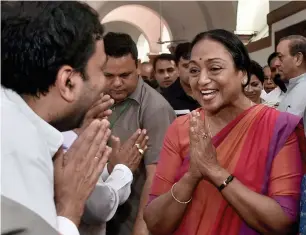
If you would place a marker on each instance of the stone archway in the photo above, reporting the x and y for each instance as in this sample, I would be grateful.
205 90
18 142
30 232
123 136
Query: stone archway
184 18
144 19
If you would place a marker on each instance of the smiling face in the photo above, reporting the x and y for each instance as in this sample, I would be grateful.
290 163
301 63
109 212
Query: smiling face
214 80
254 89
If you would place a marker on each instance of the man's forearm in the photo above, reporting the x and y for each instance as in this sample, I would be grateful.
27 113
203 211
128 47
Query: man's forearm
140 227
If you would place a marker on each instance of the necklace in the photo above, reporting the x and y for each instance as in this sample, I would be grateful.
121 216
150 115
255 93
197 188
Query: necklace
208 127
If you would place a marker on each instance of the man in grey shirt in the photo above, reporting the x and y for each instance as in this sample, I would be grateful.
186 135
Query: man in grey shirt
292 66
137 106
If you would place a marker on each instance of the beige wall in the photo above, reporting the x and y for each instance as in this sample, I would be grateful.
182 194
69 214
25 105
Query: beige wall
277 4
142 18
185 18
261 56
123 27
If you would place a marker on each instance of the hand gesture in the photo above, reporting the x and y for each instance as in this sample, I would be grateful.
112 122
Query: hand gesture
77 171
99 110
129 153
203 156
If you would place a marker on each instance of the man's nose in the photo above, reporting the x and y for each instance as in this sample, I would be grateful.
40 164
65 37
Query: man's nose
117 82
167 75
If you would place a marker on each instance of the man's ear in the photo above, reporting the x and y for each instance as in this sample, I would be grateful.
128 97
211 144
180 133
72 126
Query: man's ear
299 58
68 83
138 66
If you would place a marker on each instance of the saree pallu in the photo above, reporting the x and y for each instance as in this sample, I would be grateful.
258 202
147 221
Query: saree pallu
261 147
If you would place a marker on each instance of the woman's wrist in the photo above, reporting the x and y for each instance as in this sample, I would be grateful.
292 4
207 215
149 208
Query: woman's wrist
217 175
182 191
191 180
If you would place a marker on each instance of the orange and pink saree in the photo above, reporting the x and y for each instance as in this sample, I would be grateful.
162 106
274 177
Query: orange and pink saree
261 147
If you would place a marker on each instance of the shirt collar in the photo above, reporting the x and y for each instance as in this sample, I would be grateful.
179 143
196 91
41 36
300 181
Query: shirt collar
52 136
297 79
136 95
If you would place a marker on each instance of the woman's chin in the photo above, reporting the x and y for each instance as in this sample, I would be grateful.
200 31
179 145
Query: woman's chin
211 107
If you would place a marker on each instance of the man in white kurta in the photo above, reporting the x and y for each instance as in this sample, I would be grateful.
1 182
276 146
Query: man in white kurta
52 57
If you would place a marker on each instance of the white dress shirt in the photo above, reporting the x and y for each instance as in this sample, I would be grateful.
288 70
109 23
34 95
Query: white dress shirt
263 94
28 145
111 191
274 97
294 100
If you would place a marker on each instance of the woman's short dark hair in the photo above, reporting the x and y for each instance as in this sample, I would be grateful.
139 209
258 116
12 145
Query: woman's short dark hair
39 37
232 43
257 70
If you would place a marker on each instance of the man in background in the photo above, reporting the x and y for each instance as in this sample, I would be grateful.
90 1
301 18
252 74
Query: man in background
137 106
292 67
179 94
274 97
165 70
146 72
269 84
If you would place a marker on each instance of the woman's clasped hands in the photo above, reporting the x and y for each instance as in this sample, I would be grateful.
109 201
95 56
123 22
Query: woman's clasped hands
203 155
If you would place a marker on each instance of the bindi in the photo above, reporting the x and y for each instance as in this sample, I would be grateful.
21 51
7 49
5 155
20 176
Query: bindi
200 58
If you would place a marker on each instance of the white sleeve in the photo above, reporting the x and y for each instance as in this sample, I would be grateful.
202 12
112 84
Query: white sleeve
113 190
105 173
121 179
102 204
69 138
66 226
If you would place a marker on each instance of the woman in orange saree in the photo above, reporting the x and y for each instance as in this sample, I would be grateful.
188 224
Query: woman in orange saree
260 146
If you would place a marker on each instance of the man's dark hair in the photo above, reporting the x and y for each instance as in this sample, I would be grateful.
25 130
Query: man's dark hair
182 51
146 63
256 69
38 38
164 56
297 45
120 44
272 57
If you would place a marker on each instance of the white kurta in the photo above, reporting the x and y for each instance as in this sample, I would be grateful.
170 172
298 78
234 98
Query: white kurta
28 144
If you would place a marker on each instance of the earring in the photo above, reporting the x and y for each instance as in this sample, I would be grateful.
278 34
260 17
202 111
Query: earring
244 81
